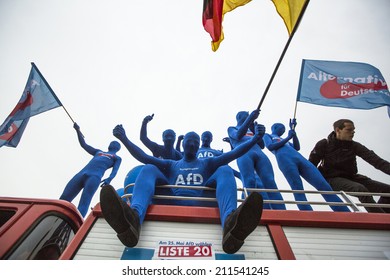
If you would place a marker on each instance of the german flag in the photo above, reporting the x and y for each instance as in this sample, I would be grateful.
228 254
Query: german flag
213 13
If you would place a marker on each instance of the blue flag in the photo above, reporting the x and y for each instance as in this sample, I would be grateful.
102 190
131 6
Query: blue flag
37 98
351 85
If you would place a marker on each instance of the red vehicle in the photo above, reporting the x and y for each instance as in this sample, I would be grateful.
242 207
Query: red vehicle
36 229
53 229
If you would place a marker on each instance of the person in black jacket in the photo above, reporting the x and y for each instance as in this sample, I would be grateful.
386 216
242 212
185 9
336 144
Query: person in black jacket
336 159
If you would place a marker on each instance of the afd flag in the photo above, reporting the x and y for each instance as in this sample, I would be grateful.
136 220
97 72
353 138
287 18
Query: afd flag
37 98
351 85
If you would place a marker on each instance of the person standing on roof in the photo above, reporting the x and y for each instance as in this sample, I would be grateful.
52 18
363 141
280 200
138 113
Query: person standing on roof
293 165
254 160
89 178
166 151
259 185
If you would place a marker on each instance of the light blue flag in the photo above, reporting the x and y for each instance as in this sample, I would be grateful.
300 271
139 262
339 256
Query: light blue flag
351 85
12 132
37 98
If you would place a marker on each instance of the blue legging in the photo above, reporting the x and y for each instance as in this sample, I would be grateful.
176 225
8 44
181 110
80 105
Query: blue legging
150 176
256 160
90 183
269 196
293 166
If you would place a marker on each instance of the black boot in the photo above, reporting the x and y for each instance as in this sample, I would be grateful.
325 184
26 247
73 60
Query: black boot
123 219
240 223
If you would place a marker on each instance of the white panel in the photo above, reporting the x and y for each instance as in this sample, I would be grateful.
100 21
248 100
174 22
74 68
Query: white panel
102 243
331 243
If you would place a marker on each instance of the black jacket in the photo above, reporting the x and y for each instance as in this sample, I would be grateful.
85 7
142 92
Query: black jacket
338 158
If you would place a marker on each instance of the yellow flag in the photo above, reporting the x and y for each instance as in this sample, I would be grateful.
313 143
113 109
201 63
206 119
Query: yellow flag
230 5
289 10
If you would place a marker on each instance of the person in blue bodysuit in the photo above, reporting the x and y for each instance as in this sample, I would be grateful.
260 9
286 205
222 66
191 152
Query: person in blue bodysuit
166 151
293 165
259 185
89 178
237 223
254 161
205 150
178 143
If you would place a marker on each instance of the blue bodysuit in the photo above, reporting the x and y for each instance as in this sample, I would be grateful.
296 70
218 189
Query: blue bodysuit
293 165
166 151
205 150
89 178
189 171
254 160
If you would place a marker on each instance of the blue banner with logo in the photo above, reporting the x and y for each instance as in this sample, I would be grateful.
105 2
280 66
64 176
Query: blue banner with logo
351 85
37 98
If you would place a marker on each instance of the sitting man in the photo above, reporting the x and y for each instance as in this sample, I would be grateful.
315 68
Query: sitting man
237 223
336 158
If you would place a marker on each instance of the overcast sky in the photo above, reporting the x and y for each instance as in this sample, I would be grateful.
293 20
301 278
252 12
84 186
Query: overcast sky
114 62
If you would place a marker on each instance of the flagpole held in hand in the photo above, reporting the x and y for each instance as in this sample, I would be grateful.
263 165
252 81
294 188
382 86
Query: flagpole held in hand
283 52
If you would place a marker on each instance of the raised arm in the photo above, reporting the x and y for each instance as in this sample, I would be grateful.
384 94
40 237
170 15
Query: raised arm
178 143
272 146
241 149
295 144
241 130
120 133
143 134
89 149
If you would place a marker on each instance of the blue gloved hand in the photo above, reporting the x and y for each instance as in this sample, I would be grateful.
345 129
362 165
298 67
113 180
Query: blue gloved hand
148 118
293 123
76 126
119 132
259 130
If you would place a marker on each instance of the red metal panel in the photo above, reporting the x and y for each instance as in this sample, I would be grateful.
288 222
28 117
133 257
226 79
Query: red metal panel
281 244
81 234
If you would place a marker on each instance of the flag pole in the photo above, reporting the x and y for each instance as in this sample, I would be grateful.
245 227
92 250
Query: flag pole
295 109
283 52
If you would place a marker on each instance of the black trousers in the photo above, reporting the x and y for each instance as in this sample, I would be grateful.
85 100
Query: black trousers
361 183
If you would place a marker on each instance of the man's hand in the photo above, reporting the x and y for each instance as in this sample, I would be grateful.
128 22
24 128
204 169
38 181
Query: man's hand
106 181
76 126
148 118
119 132
293 123
259 130
255 114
